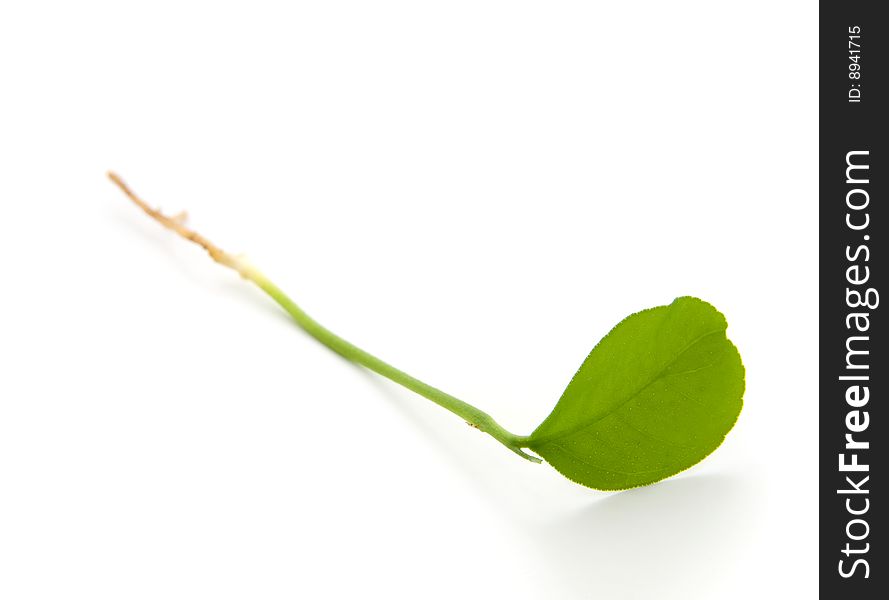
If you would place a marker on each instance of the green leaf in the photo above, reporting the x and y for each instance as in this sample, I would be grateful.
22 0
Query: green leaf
655 396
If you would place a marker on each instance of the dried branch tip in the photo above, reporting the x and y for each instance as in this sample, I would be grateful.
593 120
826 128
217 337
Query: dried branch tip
177 223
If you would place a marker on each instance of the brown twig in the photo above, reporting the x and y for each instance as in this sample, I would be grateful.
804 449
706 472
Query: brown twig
177 224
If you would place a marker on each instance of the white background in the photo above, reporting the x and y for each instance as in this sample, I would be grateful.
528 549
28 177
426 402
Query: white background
475 191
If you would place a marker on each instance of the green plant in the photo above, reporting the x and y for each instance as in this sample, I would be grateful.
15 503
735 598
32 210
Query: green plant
654 397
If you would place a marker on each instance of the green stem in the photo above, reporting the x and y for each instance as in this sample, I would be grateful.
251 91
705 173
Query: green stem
469 413
472 415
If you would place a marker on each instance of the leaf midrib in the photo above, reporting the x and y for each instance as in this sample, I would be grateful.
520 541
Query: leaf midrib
548 438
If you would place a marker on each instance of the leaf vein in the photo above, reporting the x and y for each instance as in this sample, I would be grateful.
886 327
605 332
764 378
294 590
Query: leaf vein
660 375
649 435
